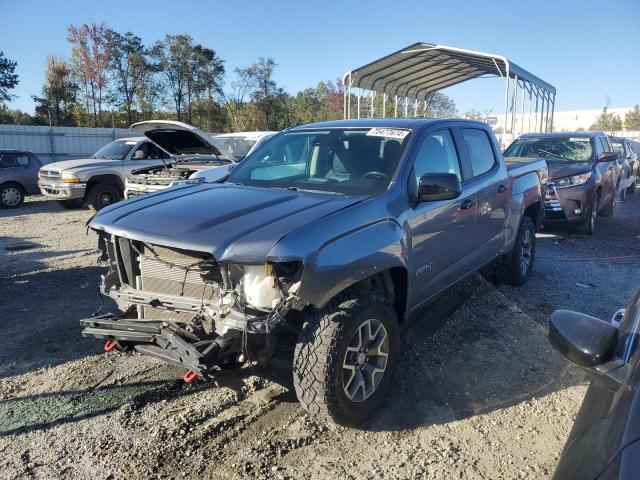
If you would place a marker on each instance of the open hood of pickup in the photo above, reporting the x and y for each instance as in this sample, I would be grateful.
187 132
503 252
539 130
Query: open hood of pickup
177 138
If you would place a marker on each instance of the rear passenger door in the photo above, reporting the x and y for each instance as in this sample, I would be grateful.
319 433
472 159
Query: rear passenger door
440 231
490 183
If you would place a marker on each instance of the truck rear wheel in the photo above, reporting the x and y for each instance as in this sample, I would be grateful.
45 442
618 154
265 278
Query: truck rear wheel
517 270
102 194
345 357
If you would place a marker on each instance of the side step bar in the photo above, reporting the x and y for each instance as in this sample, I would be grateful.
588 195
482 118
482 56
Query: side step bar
159 339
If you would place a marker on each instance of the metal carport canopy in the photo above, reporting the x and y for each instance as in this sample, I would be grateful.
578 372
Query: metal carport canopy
420 69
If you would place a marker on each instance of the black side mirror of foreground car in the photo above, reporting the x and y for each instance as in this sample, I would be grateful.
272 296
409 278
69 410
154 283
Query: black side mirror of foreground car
588 342
438 186
608 157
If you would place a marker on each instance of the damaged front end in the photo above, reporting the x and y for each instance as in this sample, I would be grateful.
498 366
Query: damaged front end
184 307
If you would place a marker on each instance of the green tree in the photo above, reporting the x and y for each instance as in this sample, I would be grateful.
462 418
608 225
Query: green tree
632 119
607 121
129 68
91 47
270 99
58 101
8 77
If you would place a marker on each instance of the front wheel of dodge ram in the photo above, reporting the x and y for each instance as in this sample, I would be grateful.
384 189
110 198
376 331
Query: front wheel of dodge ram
345 358
102 194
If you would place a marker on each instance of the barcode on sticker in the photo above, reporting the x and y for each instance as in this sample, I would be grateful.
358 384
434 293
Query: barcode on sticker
388 133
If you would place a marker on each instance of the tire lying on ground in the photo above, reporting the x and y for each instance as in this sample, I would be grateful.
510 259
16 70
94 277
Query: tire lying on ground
345 357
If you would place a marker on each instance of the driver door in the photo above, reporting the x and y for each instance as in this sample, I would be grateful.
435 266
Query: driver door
440 231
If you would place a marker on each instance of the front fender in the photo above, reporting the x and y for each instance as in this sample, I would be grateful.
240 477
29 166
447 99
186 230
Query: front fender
351 257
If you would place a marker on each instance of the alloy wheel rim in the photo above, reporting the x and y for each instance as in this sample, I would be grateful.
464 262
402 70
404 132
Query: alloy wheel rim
11 196
525 251
365 360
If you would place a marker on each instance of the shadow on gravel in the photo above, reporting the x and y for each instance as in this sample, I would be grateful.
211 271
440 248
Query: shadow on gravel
40 314
41 412
35 205
471 351
22 255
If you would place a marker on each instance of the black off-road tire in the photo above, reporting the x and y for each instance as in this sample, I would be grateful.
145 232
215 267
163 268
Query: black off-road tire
517 269
101 195
609 210
70 204
320 353
591 215
11 195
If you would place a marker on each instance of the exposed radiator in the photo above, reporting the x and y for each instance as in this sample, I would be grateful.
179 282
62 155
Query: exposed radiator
174 272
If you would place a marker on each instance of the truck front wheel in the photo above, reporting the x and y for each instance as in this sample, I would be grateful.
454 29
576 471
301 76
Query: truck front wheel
345 357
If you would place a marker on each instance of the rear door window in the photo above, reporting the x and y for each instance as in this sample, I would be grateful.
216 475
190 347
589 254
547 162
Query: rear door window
480 150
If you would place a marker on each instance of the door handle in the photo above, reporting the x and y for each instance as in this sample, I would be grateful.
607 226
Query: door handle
502 188
466 204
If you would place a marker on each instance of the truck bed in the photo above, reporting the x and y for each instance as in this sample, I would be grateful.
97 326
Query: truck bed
518 166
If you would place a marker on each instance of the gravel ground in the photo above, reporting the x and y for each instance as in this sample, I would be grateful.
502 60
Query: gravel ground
479 392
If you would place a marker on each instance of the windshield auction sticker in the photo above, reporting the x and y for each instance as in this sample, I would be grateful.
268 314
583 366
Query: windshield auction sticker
388 133
579 139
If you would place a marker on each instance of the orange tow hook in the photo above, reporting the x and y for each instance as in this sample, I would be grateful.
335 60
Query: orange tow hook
190 376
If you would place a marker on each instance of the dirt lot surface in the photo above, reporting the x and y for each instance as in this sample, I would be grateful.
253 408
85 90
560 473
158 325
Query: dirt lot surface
479 393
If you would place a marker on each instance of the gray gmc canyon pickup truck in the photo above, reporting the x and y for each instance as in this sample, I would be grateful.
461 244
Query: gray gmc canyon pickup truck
320 243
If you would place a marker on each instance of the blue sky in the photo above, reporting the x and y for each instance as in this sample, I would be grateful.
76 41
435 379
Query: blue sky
586 49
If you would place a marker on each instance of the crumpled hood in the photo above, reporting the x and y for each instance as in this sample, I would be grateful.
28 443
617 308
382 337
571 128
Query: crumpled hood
82 163
561 170
232 222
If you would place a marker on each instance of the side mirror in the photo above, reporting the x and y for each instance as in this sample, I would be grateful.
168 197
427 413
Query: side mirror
438 186
608 157
584 340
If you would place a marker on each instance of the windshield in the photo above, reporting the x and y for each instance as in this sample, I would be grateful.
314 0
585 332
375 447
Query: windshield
234 147
359 161
563 149
116 150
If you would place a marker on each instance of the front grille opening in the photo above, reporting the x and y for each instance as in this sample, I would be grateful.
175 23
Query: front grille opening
181 273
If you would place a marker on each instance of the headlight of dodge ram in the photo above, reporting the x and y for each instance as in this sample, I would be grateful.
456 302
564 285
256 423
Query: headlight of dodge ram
573 180
68 177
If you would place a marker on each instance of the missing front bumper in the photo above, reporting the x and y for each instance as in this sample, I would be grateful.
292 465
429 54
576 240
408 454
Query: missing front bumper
162 340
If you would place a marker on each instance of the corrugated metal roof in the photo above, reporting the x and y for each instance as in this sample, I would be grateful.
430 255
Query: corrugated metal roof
422 68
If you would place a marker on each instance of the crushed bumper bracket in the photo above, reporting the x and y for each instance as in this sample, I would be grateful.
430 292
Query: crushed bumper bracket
156 338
